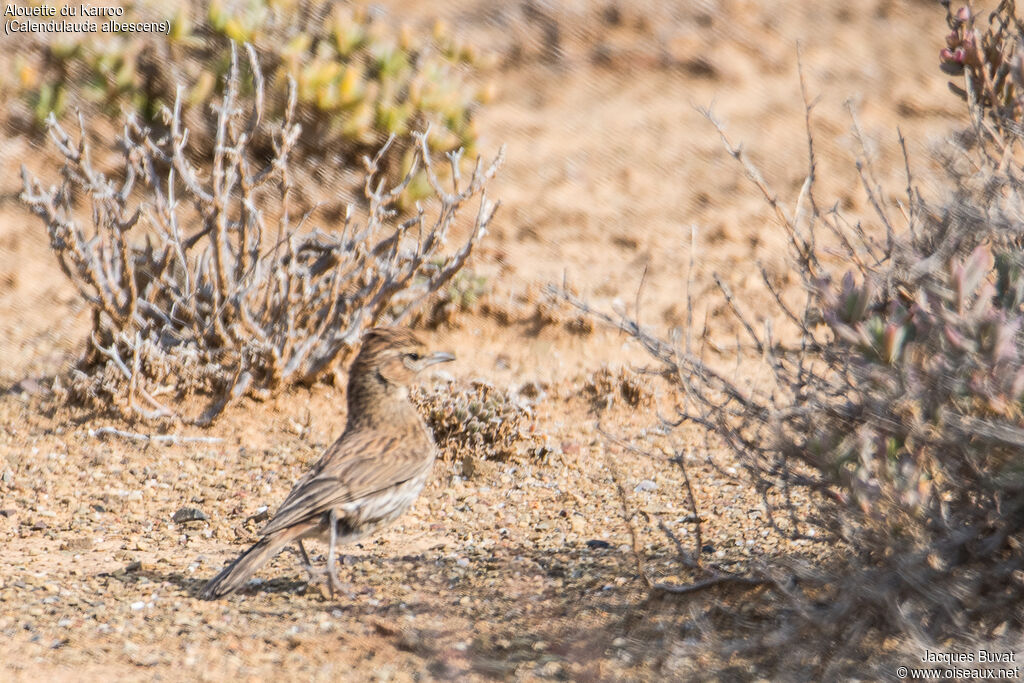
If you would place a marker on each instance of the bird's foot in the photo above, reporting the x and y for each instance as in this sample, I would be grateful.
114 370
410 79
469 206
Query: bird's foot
335 586
315 575
328 581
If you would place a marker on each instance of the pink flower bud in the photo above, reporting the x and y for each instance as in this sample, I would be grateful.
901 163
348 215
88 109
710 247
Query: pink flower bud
956 56
953 39
963 15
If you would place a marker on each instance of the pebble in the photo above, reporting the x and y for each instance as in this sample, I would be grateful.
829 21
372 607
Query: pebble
188 514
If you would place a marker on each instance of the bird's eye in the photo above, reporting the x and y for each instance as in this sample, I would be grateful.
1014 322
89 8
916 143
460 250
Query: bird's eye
413 356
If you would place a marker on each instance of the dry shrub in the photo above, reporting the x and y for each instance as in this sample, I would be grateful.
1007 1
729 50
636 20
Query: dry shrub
478 420
608 385
898 405
203 282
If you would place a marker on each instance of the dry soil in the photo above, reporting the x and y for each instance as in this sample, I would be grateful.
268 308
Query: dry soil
522 569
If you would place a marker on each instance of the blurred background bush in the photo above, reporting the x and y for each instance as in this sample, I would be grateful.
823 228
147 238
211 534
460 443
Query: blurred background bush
361 76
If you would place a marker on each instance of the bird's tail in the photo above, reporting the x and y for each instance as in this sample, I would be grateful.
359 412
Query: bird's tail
236 574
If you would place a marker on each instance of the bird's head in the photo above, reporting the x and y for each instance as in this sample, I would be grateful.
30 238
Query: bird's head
390 359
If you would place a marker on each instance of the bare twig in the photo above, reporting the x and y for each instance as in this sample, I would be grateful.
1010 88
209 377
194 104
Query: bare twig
710 582
157 438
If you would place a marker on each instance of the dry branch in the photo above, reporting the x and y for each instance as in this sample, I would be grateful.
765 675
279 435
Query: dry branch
157 438
194 291
898 416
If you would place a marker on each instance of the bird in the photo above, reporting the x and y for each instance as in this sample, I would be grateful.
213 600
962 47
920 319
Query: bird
368 477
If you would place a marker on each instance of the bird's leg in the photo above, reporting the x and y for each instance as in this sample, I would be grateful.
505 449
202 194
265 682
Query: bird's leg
305 557
312 571
332 570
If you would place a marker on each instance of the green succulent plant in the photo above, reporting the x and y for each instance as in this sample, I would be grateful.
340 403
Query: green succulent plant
359 77
954 349
478 420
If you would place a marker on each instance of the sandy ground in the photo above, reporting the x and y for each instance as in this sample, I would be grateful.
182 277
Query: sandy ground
524 569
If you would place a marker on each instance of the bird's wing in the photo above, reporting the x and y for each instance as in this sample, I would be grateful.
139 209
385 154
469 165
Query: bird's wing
354 467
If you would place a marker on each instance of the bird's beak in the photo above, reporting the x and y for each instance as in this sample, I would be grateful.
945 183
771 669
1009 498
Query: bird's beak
438 357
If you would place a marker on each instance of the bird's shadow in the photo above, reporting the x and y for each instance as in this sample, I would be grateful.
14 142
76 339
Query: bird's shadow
601 608
137 573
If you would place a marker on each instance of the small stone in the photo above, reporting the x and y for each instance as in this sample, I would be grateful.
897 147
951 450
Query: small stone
262 515
188 514
645 485
552 669
78 543
28 386
598 544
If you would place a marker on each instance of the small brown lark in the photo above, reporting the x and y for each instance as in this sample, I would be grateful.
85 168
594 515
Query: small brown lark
368 477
